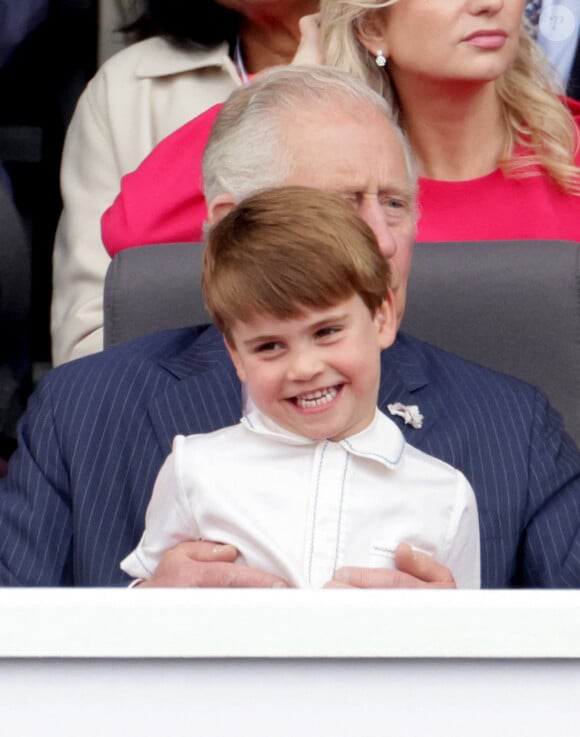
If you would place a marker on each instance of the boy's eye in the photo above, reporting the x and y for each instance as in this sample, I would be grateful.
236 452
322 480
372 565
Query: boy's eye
327 331
266 347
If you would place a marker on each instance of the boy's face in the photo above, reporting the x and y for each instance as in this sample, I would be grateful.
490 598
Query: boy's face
316 375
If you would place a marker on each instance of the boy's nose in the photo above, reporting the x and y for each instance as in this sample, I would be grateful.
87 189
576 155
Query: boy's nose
304 366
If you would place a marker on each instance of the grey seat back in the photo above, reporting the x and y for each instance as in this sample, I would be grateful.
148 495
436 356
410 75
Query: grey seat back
153 288
512 306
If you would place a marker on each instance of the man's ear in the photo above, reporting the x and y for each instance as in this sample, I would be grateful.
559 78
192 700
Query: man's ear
370 31
235 356
219 207
386 320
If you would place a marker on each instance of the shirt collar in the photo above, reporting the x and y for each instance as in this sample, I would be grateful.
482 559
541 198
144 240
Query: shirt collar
381 441
163 59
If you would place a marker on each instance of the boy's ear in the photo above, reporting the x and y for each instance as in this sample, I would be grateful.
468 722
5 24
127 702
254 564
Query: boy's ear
219 207
370 31
386 320
235 356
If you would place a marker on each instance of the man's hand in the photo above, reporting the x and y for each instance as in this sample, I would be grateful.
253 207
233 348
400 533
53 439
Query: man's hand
414 570
309 49
206 564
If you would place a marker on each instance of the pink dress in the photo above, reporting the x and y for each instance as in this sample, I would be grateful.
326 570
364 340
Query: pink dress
162 201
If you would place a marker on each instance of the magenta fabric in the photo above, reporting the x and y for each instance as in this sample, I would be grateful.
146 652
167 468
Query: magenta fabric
162 200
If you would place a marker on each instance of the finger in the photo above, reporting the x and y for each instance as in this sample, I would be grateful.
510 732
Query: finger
375 578
228 575
207 550
423 567
309 49
336 585
309 24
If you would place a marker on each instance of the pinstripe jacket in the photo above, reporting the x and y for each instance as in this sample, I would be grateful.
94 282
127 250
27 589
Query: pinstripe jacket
97 430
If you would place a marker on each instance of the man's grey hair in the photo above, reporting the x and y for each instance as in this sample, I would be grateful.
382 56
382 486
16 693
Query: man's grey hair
246 151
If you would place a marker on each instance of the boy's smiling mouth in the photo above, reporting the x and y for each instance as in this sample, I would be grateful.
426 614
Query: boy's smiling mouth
317 398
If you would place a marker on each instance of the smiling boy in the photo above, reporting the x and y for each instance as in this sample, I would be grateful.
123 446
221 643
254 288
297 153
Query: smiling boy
314 476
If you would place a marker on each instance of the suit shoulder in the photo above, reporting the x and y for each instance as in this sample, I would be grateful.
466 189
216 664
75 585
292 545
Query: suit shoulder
146 350
442 366
137 366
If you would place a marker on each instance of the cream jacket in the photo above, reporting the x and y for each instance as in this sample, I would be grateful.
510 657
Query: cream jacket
138 97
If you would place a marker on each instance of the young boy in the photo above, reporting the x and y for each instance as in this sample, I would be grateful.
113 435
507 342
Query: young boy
314 476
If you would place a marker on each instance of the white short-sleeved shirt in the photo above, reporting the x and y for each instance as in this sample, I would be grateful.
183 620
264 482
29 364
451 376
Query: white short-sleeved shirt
301 508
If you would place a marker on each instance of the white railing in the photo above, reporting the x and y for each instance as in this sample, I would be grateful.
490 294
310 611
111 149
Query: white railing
143 662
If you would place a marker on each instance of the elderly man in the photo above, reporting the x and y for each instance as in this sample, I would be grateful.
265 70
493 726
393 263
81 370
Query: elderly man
98 429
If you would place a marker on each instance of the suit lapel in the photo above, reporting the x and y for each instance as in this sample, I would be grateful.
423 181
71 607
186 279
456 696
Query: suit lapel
404 374
206 395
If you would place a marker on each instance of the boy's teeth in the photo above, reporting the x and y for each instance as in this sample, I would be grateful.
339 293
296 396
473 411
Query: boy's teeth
317 398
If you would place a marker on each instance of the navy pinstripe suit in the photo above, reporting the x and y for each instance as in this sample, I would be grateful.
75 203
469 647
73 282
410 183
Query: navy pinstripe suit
98 429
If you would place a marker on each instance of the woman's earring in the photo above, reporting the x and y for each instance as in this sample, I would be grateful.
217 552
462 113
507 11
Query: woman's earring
380 59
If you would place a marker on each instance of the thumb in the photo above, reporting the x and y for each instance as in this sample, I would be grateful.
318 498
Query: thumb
310 48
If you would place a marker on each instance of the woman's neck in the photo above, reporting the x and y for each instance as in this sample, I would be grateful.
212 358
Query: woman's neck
456 132
268 40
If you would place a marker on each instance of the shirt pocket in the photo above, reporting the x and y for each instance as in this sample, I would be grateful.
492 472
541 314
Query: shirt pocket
382 553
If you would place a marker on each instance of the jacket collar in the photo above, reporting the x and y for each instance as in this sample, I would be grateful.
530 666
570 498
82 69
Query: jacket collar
404 374
162 59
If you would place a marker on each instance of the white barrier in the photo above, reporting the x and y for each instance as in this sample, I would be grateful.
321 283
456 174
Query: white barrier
142 662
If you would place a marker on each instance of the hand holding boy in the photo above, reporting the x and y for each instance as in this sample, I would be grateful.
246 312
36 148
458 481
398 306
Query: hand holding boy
204 564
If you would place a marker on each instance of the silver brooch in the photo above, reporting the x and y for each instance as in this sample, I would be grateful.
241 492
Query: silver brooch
410 414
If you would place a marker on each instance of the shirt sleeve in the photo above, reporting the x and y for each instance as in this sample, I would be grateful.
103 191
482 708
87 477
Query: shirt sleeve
463 538
168 520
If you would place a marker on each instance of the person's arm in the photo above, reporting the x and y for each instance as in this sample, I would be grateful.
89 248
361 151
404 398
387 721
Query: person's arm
168 520
90 174
170 553
204 564
36 526
162 201
462 552
549 553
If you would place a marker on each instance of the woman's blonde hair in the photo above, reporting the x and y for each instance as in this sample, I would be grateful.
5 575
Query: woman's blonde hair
535 117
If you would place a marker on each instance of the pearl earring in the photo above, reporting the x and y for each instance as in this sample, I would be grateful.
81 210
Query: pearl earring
380 59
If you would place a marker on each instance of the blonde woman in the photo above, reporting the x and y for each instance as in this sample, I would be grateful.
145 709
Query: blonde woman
495 145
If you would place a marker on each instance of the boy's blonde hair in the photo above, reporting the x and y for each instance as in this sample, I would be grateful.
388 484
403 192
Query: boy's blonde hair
284 250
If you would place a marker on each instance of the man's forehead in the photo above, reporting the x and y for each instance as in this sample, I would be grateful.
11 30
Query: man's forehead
325 115
340 150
